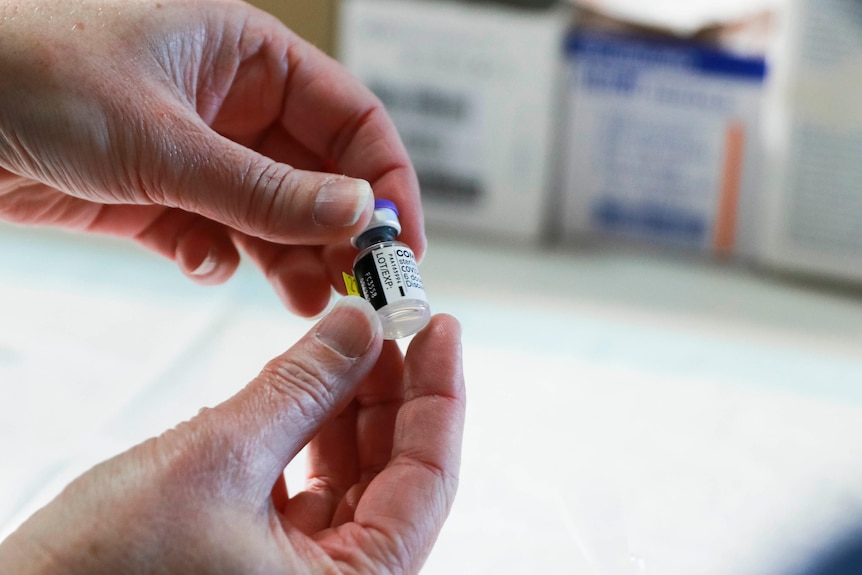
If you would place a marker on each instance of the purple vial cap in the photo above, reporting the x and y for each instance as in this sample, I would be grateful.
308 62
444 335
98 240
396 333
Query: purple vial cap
386 205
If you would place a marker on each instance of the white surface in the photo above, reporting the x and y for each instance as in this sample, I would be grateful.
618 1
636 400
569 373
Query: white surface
627 413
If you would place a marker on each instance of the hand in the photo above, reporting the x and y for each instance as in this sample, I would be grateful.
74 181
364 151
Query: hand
196 128
208 496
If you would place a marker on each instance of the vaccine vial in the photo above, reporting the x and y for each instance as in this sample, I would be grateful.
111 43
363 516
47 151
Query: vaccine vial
387 274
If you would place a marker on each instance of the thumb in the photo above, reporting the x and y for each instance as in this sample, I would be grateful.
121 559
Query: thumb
249 192
273 418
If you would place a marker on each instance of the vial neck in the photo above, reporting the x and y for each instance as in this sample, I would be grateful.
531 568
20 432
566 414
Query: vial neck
376 236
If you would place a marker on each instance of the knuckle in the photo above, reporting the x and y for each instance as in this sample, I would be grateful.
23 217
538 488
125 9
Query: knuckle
303 382
349 132
266 183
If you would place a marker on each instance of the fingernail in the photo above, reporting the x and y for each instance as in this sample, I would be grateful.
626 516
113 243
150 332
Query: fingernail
208 265
350 327
340 203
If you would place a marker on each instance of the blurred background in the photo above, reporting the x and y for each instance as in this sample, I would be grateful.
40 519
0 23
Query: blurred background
647 220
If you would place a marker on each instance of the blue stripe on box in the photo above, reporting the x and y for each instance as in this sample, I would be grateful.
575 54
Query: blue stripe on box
651 220
681 54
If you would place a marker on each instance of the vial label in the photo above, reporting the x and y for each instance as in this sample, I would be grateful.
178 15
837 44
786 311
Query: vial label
388 274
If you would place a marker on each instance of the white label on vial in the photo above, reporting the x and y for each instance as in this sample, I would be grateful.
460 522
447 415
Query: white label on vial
389 273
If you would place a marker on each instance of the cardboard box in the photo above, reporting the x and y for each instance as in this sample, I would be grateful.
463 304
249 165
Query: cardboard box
314 21
666 143
473 90
662 140
813 190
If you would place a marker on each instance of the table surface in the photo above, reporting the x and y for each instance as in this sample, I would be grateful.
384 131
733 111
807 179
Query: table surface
629 412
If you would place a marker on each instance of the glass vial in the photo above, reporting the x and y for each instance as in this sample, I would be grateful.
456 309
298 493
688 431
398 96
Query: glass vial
387 274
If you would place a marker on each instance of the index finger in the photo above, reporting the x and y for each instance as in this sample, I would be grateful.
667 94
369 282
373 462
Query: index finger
333 115
410 499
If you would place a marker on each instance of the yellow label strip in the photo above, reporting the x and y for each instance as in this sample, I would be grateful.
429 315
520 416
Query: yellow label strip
350 284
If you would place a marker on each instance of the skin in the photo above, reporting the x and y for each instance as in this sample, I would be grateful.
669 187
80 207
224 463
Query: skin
208 496
202 129
196 128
